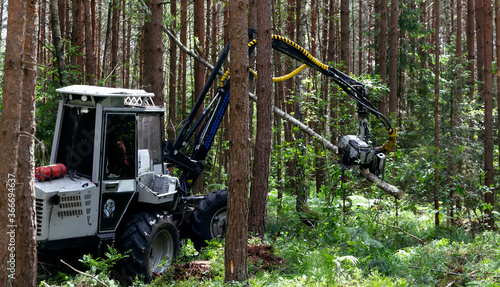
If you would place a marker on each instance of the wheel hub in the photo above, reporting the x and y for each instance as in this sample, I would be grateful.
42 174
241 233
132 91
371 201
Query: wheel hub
161 252
218 223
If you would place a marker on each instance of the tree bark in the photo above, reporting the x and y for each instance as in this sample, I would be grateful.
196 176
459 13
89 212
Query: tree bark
171 119
115 36
381 40
57 42
199 70
497 43
288 105
153 53
106 42
61 8
236 268
183 56
26 254
263 142
10 188
89 45
470 46
99 48
302 190
479 15
360 37
393 59
77 36
344 36
95 48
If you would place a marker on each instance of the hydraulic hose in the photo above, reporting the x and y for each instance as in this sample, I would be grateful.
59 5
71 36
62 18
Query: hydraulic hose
391 141
353 88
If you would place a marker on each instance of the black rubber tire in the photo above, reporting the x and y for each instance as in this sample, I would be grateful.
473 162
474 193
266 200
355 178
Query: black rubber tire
150 237
209 218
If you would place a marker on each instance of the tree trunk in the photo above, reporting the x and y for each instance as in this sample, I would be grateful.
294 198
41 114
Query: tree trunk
127 63
471 79
360 37
124 65
183 56
26 254
489 197
344 36
436 110
314 28
280 94
480 46
99 48
318 166
115 36
77 37
61 8
393 59
288 105
263 142
95 48
41 32
89 45
106 42
302 190
236 268
454 168
153 53
199 69
11 188
171 119
381 56
497 42
57 42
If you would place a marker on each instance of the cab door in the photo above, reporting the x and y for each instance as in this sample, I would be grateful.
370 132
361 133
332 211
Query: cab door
118 168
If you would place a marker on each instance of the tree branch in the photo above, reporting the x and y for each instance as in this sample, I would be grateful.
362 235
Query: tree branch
83 273
407 233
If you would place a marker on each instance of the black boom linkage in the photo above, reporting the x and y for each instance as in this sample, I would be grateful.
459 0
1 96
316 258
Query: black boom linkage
208 122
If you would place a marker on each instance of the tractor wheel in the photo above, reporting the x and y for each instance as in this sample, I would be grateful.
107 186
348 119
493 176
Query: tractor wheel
153 241
209 218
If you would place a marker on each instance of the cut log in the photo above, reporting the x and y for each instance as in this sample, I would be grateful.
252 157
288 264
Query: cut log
391 189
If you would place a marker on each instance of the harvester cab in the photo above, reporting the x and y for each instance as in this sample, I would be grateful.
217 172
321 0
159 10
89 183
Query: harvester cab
108 141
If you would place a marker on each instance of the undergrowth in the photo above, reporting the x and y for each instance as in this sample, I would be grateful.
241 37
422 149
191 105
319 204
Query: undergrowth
367 246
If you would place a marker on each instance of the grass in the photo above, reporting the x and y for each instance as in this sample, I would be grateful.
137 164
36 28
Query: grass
369 246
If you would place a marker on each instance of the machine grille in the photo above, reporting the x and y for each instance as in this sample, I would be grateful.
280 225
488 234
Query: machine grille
39 215
70 206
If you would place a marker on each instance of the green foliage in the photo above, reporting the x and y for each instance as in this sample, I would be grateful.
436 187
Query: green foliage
102 265
97 274
368 246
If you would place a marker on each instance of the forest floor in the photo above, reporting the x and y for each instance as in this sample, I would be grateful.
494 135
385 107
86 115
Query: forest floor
369 245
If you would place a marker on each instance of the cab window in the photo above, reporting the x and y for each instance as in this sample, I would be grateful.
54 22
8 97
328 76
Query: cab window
119 158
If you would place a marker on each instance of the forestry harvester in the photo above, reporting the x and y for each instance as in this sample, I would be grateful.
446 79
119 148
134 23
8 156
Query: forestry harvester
110 182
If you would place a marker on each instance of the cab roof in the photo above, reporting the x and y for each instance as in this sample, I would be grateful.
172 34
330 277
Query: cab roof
103 91
88 96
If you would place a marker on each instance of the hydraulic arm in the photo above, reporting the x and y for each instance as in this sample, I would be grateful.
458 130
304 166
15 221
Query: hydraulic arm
354 150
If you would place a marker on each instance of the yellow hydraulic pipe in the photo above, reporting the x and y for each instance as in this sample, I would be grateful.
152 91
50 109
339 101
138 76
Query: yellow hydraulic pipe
391 141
